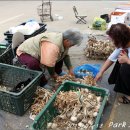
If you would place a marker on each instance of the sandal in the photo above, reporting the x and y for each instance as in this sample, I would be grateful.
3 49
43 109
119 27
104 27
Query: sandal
124 100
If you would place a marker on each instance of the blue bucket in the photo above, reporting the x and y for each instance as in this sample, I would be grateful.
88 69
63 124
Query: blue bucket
93 68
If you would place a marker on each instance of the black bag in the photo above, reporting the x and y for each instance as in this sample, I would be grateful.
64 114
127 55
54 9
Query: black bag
106 17
114 74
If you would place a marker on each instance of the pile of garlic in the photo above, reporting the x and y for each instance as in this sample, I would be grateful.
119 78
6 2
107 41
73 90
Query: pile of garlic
78 110
42 96
61 79
89 80
98 49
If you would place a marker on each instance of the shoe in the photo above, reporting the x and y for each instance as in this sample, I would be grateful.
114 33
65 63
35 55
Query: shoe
124 100
47 87
62 73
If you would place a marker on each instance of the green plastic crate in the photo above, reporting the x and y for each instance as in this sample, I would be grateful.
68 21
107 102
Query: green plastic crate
3 46
7 57
2 49
10 76
49 111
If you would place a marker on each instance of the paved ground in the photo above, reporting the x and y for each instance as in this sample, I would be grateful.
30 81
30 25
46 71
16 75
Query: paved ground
16 12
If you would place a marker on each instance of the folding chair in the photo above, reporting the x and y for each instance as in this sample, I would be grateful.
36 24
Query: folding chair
80 18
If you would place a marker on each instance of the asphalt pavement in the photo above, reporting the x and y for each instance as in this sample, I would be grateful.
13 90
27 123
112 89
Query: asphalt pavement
115 116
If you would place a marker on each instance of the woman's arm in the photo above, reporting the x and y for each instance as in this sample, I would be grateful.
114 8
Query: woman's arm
68 64
52 73
113 57
105 66
49 56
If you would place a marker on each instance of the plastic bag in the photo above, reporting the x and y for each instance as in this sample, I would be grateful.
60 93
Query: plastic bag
99 24
92 68
30 27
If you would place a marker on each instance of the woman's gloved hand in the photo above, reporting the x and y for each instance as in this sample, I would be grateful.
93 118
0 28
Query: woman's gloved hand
123 58
98 76
71 71
54 76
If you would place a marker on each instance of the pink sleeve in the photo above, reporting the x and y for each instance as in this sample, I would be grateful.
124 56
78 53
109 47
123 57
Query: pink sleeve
49 54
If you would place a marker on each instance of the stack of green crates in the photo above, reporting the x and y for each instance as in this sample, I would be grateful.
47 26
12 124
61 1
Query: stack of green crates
10 76
3 46
49 111
7 57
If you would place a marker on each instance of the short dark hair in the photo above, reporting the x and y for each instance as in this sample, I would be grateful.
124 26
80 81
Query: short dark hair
120 34
74 35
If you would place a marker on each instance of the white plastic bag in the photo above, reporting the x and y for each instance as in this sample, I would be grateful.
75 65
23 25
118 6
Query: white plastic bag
27 29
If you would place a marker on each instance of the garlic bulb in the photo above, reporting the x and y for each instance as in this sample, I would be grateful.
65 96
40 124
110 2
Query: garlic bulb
69 114
62 116
73 119
86 90
98 99
98 106
49 125
81 125
90 122
84 121
90 96
95 114
79 117
54 126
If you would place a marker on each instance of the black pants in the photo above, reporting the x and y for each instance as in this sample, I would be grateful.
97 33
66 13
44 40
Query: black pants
34 64
123 80
122 83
